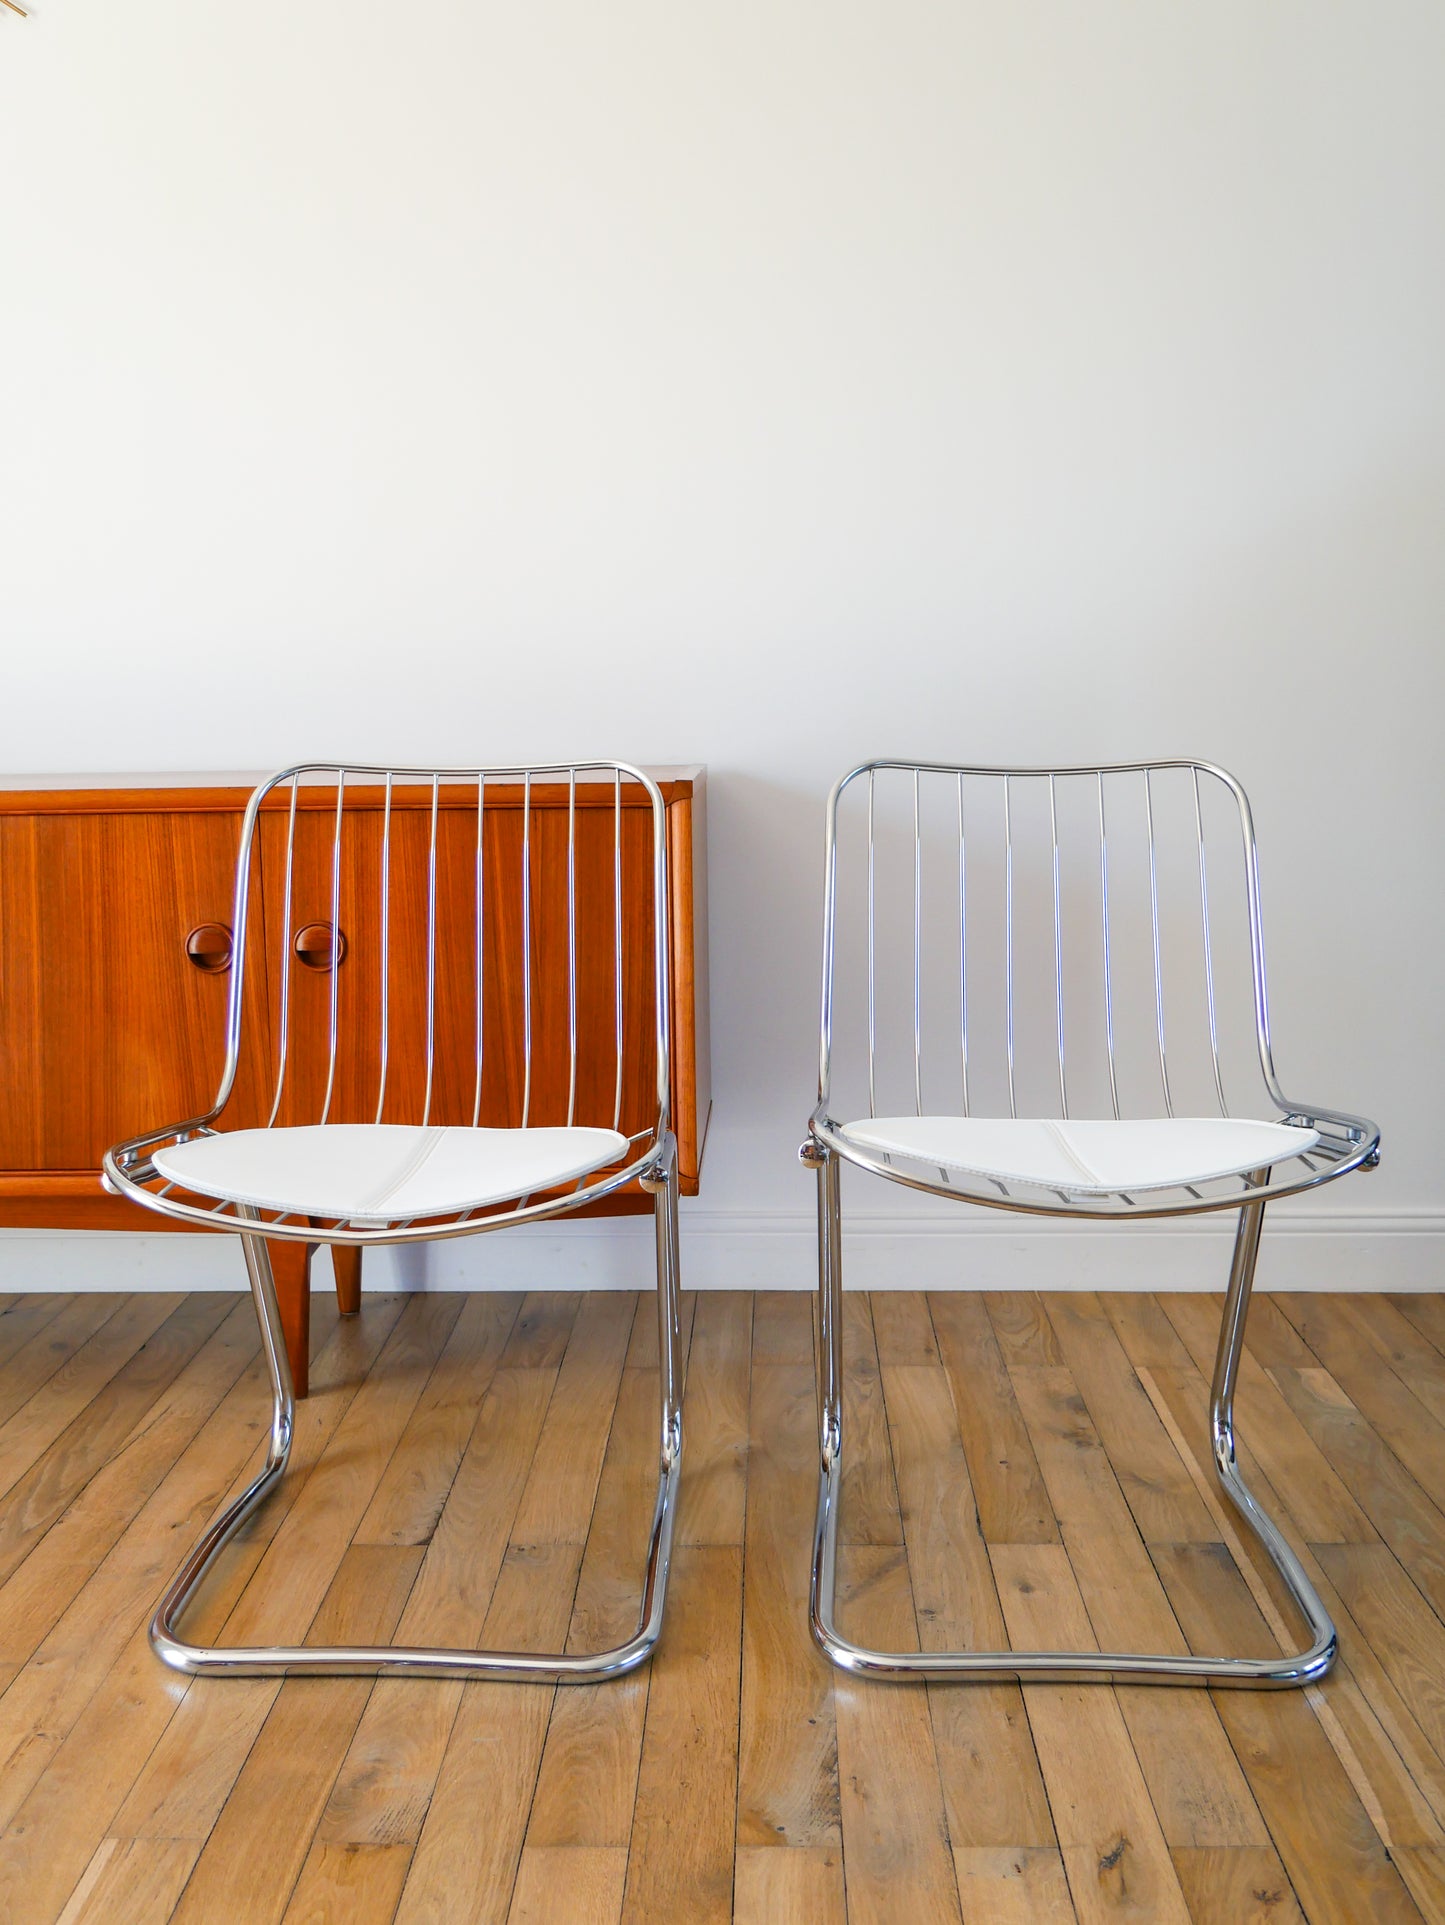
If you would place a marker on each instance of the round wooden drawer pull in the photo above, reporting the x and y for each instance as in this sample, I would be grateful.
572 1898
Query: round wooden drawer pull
316 948
209 947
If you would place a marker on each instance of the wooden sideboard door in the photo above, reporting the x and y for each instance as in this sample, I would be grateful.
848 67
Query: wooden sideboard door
110 1028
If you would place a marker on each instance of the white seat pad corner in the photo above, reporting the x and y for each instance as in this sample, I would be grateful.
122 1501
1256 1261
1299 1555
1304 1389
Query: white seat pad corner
383 1172
1084 1156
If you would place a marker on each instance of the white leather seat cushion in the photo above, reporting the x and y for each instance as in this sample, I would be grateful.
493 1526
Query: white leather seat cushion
380 1172
1086 1157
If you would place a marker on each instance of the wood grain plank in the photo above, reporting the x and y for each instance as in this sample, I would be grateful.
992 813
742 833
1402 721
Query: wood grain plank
48 1578
1399 1626
1406 1518
998 1886
561 1487
539 1338
199 1746
1013 1507
414 1487
1245 1885
581 1883
1158 1488
496 1738
770 1886
903 1328
684 1826
1423 1869
95 1633
93 1436
1271 1336
22 1316
1021 1327
1406 1772
1426 1311
897 1861
713 1495
993 1793
1332 1852
35 1362
271 1811
358 1883
1271 1437
385 1782
1369 1352
868 1507
1142 1326
587 1784
1114 1851
1194 1780
788 1746
1409 1353
783 1327
130 1878
462 1870
1382 1749
64 1397
642 1351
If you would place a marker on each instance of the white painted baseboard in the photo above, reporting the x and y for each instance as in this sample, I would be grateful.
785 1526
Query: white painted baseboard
723 1250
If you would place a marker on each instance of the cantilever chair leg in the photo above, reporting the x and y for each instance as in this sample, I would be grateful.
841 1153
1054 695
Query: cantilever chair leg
417 1661
1056 1667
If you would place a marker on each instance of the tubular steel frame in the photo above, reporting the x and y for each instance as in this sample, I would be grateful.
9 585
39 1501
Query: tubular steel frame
1346 1143
651 1158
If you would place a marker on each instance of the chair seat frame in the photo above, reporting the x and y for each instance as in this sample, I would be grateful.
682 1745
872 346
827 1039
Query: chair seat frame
130 1171
1346 1143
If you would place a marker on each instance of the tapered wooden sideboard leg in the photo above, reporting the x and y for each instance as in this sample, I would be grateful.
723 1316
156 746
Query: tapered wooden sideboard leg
346 1268
346 1262
291 1268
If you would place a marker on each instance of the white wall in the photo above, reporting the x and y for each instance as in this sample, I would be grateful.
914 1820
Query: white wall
770 385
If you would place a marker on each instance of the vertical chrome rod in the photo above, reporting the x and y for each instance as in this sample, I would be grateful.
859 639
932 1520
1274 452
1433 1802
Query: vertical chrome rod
830 1308
1104 918
1221 1425
1208 948
1154 922
526 946
617 939
572 944
872 1005
284 1016
431 951
1058 947
668 1305
480 946
1008 943
385 945
335 939
962 947
917 955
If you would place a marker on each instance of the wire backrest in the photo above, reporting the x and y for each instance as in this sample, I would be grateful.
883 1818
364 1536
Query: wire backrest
1081 941
458 946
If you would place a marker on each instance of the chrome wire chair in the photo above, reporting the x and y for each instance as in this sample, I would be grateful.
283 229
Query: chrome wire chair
1033 961
494 973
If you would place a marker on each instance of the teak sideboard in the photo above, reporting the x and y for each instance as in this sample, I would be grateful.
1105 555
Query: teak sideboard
115 912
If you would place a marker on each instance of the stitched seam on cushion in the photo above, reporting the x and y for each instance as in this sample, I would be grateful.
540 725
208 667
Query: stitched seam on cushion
1056 1131
371 1206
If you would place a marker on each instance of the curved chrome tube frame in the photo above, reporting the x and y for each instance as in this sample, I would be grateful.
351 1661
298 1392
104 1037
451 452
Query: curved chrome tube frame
414 1661
1346 1143
1051 1667
651 1159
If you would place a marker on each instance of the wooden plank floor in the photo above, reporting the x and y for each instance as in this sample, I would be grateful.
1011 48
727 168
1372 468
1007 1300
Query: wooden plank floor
480 1468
